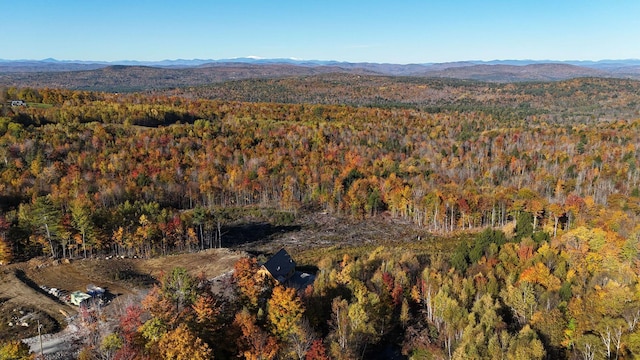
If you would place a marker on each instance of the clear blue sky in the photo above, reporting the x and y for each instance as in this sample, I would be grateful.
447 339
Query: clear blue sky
375 31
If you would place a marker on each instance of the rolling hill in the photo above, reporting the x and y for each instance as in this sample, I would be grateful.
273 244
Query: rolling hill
136 76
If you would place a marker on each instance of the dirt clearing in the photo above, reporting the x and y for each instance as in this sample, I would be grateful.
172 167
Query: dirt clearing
23 302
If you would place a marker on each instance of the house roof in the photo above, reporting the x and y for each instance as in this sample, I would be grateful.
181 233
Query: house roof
280 265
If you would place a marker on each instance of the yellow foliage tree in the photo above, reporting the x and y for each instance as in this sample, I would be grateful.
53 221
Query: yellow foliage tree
15 349
540 274
182 344
5 252
249 282
206 312
284 311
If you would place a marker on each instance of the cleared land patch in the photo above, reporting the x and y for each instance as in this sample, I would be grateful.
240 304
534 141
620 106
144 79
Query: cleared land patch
21 296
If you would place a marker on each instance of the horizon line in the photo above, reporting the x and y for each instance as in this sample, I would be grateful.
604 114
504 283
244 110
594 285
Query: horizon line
301 60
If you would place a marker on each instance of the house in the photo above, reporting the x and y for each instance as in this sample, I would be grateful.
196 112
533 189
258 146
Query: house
280 266
18 103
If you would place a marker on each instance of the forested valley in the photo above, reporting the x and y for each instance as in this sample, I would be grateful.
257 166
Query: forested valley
534 188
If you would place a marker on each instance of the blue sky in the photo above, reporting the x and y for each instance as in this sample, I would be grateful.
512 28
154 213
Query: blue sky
357 31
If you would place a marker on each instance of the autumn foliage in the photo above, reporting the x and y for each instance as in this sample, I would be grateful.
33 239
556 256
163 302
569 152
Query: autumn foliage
547 208
78 178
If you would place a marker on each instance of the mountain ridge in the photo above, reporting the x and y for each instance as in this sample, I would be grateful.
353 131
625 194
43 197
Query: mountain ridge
141 75
605 63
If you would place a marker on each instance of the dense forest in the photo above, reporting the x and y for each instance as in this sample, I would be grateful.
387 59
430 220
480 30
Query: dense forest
545 174
576 100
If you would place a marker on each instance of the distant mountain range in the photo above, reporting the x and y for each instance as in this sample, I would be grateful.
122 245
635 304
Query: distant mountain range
67 65
133 75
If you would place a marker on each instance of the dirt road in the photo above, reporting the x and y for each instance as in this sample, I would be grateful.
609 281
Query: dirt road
56 346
